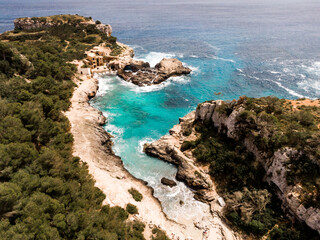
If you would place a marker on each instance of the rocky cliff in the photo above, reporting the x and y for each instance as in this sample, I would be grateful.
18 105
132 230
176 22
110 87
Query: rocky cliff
35 23
276 166
247 122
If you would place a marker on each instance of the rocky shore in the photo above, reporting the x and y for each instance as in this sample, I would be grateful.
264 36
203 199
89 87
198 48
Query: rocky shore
94 147
276 166
195 176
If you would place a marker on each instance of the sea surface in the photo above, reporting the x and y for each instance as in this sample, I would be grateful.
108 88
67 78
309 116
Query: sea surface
235 47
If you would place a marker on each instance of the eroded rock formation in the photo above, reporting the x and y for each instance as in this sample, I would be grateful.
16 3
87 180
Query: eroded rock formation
141 74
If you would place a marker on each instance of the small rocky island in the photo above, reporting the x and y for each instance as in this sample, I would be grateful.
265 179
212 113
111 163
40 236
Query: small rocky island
141 74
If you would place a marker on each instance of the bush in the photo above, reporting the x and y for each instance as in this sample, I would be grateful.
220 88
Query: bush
159 234
132 209
135 194
187 145
98 22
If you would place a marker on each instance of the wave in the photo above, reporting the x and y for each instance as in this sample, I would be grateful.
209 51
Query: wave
135 47
290 91
310 86
213 47
224 59
155 57
104 84
195 70
144 141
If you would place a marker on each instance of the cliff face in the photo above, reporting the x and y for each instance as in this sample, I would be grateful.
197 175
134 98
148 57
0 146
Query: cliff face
228 120
276 166
27 24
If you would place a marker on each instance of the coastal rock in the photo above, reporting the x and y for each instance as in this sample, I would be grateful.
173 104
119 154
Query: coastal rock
276 166
168 182
168 147
172 66
105 28
101 119
141 74
28 23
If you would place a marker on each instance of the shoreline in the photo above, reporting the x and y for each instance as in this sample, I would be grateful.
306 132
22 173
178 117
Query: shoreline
93 144
94 147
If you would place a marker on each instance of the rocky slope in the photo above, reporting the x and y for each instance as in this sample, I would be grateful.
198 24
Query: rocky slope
35 23
225 118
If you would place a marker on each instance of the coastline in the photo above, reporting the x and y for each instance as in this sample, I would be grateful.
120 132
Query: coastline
94 147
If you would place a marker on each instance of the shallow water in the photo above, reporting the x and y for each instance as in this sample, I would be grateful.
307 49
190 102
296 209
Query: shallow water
235 47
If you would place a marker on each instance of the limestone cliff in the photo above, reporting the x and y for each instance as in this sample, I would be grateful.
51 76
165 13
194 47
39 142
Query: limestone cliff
245 122
276 166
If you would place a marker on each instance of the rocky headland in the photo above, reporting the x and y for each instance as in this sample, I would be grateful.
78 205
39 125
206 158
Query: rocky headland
246 121
38 23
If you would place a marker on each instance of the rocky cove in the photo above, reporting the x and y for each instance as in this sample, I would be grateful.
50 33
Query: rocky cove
276 165
227 57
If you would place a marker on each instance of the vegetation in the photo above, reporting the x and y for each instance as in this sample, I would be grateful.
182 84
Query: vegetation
159 234
135 194
132 209
60 19
45 192
252 205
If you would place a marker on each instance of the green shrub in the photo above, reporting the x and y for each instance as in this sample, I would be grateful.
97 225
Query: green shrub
187 145
135 194
159 234
132 209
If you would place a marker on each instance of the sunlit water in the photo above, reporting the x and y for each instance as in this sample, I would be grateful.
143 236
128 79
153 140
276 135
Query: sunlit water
249 47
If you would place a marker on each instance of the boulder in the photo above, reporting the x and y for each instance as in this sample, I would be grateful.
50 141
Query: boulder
172 66
168 182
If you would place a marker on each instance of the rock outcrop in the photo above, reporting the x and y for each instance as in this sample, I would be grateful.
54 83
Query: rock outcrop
141 74
27 24
105 28
168 147
168 182
276 166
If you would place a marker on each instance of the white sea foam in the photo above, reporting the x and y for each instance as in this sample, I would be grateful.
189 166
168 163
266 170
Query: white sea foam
150 88
155 57
135 47
144 141
104 85
114 130
213 47
310 85
293 93
155 87
224 59
180 79
195 70
239 70
275 72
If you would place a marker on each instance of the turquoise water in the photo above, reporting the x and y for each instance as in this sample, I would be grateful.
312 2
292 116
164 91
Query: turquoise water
246 47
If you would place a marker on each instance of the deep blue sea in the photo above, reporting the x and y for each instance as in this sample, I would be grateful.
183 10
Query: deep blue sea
235 47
